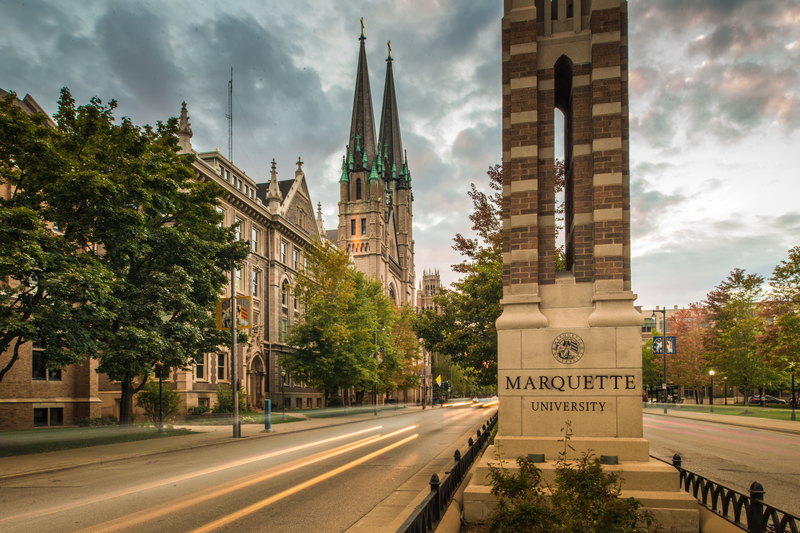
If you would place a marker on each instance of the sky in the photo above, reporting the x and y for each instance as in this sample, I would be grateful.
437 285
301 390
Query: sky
714 108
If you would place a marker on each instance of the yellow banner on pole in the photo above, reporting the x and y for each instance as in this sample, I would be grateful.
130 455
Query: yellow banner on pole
439 380
243 313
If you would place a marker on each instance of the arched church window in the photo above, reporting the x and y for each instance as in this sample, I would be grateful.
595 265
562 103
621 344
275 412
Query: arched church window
564 187
358 189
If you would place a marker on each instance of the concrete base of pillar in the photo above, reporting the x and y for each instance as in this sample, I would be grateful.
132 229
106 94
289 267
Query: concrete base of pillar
654 483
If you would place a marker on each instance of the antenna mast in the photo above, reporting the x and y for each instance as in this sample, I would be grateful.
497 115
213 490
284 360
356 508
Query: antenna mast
229 116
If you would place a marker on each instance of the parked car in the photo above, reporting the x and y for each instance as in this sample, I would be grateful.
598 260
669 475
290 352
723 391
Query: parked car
767 399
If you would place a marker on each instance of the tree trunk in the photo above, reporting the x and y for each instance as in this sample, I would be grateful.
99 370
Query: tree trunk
126 402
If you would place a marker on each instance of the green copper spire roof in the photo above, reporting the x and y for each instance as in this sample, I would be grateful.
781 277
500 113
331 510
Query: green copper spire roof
373 176
362 125
389 131
344 178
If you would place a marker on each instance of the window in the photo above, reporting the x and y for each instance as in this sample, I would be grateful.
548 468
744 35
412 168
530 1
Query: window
200 367
238 184
363 226
285 293
298 402
300 218
649 325
222 367
255 319
256 275
295 262
239 228
246 190
239 283
227 175
353 227
53 416
295 303
284 324
255 234
283 253
220 211
39 371
203 402
358 189
319 402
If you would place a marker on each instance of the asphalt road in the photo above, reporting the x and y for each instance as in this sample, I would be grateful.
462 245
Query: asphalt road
732 456
320 480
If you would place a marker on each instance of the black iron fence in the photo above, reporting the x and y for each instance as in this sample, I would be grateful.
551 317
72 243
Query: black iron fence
428 513
748 512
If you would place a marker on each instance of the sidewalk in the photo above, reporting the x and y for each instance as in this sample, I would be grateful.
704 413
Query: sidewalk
783 426
40 463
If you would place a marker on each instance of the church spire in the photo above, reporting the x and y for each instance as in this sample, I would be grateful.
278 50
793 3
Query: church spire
362 125
390 126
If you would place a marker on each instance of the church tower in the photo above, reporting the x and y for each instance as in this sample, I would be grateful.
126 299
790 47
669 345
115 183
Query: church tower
375 198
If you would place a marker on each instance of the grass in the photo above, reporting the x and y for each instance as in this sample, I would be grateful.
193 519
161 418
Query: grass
257 418
31 441
755 411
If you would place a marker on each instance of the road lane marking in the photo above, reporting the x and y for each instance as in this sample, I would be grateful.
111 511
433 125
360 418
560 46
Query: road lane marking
184 477
140 517
297 488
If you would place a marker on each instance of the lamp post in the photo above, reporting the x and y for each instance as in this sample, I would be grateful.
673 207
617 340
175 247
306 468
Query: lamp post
794 398
664 352
283 393
711 396
160 406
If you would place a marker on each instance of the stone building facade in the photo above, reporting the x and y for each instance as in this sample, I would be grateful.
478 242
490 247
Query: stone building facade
375 197
277 218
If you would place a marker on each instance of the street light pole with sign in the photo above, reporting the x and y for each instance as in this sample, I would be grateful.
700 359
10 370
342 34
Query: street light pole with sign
711 395
664 351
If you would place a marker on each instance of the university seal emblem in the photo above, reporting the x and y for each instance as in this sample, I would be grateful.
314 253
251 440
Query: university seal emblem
568 348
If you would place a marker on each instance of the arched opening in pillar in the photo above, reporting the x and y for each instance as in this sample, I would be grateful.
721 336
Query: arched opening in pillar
563 103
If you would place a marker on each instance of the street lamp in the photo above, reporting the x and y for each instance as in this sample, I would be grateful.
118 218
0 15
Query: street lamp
711 396
794 398
663 351
283 393
160 408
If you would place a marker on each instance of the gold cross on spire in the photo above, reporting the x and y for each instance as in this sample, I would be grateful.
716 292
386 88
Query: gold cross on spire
389 44
362 26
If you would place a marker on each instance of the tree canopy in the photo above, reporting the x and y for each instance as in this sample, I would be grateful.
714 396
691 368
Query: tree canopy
346 317
129 206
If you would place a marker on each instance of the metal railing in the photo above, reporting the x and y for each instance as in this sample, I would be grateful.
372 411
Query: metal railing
747 512
427 514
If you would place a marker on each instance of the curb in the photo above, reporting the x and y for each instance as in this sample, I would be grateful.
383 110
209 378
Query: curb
729 421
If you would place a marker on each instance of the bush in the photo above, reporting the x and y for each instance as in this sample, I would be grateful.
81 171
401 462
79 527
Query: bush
335 401
225 399
584 499
199 410
147 399
97 422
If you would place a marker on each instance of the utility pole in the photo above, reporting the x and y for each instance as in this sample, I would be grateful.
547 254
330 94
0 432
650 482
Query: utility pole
234 373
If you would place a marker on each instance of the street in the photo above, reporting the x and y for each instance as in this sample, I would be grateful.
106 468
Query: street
324 479
733 456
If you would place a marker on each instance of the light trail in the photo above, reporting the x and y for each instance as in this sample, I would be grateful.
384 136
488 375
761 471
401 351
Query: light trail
184 477
138 518
297 488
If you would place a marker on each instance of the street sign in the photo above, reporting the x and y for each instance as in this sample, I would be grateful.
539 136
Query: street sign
658 345
243 313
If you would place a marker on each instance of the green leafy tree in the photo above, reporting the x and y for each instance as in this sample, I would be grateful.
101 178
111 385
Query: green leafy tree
407 346
49 290
781 339
130 203
345 316
736 324
148 399
652 369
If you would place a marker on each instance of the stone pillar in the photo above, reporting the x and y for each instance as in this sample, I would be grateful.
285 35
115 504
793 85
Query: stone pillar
569 342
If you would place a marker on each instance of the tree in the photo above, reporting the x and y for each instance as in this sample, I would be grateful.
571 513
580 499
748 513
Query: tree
736 324
49 290
781 339
148 399
652 368
345 316
125 198
406 373
690 364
